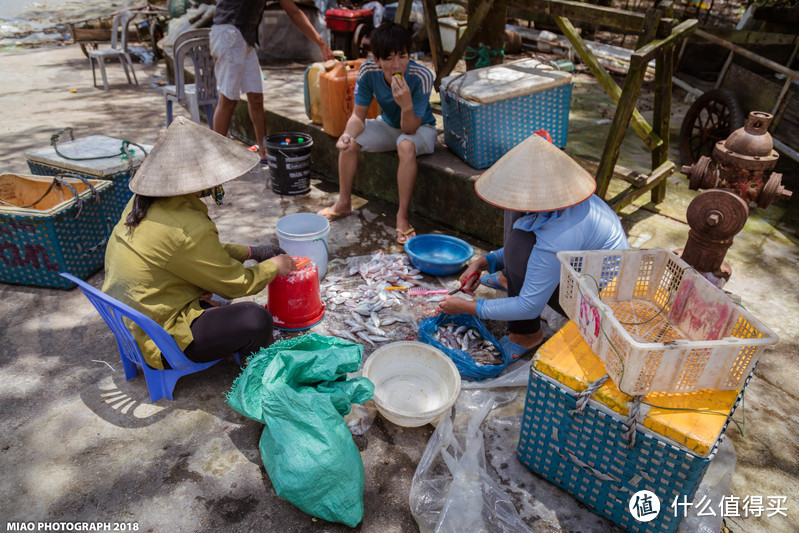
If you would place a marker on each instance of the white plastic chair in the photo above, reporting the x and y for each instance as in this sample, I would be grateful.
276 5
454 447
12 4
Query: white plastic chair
119 49
196 45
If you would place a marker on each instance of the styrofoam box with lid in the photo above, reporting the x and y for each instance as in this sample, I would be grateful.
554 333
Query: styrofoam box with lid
488 111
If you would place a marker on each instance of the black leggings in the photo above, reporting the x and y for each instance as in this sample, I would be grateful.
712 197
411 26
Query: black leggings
219 332
518 247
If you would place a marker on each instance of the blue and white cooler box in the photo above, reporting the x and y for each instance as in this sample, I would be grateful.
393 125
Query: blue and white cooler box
93 157
488 111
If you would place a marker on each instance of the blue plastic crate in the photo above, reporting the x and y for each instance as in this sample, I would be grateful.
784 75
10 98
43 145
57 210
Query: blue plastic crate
62 234
586 454
92 162
486 115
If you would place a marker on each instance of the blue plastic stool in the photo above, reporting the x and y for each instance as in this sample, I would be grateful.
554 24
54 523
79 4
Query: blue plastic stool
160 383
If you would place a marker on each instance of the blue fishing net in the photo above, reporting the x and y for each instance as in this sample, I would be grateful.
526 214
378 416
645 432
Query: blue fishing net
468 368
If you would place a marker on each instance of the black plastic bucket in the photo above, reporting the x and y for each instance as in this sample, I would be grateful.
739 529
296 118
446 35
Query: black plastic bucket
288 155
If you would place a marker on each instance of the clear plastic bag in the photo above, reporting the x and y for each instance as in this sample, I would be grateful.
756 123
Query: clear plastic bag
452 490
458 486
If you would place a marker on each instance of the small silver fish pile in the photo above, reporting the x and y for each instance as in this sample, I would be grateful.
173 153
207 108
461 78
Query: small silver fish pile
469 340
369 304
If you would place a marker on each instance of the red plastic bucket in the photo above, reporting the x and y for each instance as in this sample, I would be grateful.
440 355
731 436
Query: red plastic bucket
294 300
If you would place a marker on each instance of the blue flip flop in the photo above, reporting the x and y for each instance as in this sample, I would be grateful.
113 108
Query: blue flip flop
512 349
492 280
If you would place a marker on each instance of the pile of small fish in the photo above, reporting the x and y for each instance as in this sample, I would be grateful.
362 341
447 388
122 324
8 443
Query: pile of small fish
469 340
371 307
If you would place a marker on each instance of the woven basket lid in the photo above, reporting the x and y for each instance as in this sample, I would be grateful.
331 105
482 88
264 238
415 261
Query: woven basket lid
190 158
535 176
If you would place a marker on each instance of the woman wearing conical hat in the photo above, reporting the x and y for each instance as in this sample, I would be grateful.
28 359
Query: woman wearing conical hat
551 199
164 257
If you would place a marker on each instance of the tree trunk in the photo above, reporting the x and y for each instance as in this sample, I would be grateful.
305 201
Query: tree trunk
491 33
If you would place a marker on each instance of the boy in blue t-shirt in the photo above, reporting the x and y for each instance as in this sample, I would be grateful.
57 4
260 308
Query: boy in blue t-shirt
402 88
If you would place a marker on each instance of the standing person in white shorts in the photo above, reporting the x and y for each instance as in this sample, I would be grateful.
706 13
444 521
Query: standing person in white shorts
402 88
233 38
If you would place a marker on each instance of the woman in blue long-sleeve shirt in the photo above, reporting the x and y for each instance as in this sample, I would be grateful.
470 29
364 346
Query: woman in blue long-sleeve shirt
559 212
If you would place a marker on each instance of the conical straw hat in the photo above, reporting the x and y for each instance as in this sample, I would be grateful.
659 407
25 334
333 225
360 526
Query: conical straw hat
535 176
190 158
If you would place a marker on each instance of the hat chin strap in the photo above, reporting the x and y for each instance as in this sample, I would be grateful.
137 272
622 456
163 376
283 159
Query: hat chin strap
217 192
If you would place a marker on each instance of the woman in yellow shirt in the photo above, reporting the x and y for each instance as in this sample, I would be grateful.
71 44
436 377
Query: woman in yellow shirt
164 257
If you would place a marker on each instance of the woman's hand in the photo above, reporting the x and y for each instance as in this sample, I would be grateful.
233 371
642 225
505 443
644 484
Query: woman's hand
265 251
453 305
284 263
470 285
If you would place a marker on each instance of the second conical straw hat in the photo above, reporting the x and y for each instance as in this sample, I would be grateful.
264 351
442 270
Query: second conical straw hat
535 176
190 158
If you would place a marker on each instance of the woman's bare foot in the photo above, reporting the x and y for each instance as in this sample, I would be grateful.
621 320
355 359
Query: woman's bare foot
528 340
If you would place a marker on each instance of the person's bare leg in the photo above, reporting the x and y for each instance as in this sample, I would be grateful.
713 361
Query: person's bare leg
255 105
347 167
528 340
223 114
406 178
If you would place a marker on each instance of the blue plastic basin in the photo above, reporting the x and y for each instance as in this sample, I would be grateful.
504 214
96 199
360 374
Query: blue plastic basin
438 255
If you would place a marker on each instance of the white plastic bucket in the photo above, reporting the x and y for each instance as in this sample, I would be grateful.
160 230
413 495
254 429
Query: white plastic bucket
305 235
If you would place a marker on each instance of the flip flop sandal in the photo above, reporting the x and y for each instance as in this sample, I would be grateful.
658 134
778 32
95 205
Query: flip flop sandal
515 351
331 215
403 236
492 280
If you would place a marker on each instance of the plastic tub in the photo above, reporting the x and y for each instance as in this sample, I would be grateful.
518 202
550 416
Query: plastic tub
414 382
438 255
294 300
305 235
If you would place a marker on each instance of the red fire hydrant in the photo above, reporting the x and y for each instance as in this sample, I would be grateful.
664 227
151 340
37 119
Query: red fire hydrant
739 173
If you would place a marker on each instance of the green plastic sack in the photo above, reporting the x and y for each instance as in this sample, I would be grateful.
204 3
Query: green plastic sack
299 389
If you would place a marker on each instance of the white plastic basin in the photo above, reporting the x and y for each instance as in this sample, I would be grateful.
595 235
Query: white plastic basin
414 383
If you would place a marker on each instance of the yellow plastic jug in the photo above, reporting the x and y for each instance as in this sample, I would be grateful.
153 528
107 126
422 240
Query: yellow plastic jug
313 93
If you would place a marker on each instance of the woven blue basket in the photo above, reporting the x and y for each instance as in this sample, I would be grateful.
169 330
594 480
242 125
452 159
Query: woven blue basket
482 133
37 244
586 454
119 195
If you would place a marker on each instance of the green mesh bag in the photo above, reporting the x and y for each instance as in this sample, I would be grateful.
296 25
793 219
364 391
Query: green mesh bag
299 389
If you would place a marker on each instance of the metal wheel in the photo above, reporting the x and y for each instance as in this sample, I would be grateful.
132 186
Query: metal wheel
359 47
710 119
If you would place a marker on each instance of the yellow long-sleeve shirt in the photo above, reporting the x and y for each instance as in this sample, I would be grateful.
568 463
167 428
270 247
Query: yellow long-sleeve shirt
171 258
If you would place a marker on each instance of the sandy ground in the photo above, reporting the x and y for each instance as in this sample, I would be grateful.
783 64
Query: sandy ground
84 444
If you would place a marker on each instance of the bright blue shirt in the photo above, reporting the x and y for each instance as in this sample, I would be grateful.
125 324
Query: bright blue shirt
589 225
372 83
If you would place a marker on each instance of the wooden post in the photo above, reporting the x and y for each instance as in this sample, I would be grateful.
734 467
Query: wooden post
664 70
624 111
639 123
403 15
433 33
461 44
491 32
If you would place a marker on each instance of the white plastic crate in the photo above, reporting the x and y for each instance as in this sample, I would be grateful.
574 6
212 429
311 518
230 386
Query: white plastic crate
658 325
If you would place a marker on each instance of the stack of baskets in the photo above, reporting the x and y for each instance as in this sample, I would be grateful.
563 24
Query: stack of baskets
678 353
